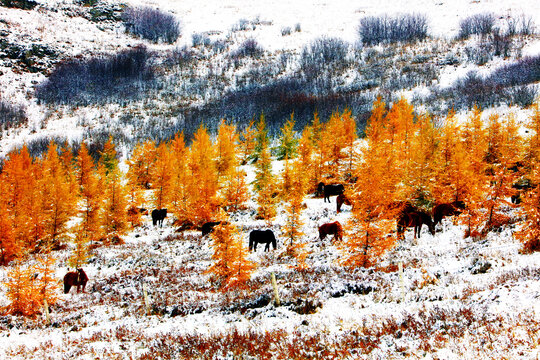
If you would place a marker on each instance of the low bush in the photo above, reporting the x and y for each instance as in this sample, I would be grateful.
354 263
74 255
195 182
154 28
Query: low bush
323 54
249 48
11 115
407 28
98 79
152 24
19 4
479 24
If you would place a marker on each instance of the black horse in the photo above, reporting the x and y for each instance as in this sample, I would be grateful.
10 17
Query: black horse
262 237
208 227
329 190
158 215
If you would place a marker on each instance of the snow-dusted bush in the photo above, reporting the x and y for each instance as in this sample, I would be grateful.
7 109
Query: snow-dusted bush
509 84
199 39
97 79
11 115
521 72
323 54
406 28
20 4
286 30
480 24
152 24
249 48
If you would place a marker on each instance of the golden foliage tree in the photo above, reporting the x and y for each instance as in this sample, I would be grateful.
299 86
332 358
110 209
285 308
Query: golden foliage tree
114 213
18 180
23 291
8 247
205 180
140 164
226 149
371 221
161 176
58 190
231 266
181 181
47 284
90 190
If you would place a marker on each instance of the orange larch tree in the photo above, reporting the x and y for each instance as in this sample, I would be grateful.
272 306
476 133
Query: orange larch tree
161 176
59 206
22 291
91 195
226 149
205 180
231 266
181 196
19 185
371 221
140 164
114 212
47 284
333 144
8 247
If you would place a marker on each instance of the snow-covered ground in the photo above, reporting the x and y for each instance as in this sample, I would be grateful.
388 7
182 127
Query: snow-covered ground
453 296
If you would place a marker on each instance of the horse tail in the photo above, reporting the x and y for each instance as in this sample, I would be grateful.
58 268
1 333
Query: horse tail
250 242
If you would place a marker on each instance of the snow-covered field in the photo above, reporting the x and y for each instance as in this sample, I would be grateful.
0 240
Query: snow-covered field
455 298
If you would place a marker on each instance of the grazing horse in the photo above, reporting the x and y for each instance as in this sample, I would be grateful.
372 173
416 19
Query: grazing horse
76 278
262 236
416 219
447 209
331 229
158 215
320 189
521 186
333 189
340 200
208 227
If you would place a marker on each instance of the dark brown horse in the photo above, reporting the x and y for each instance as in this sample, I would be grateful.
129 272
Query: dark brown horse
158 215
340 200
447 209
331 229
415 219
76 278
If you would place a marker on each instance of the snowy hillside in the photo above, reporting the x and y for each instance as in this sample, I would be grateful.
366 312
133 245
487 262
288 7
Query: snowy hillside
201 78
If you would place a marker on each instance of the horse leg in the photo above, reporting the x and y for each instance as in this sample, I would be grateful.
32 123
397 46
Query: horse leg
267 247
